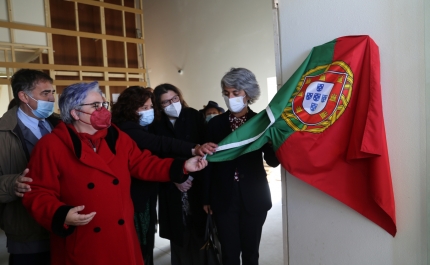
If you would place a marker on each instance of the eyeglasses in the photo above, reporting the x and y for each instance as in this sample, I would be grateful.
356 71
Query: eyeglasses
166 103
97 105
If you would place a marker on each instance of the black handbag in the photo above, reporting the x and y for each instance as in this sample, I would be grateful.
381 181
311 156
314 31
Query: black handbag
212 246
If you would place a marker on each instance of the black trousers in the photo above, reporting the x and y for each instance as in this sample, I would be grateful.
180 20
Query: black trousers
239 232
43 258
189 253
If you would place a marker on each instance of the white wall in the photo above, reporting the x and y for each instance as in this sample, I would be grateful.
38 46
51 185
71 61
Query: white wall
322 230
4 99
205 39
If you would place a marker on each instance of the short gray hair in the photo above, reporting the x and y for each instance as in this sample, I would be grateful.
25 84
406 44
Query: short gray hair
242 79
73 96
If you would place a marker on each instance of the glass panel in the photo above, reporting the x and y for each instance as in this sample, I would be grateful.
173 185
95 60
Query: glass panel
30 12
4 35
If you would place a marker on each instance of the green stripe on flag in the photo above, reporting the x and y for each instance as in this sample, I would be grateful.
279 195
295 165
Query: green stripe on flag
257 131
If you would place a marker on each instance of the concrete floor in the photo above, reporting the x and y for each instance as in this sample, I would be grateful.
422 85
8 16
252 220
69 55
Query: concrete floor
271 241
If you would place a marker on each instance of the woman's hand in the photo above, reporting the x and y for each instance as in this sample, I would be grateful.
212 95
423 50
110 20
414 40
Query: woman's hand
207 148
76 219
185 185
207 209
195 163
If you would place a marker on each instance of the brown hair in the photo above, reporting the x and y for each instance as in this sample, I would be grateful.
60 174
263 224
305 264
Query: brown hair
163 89
131 99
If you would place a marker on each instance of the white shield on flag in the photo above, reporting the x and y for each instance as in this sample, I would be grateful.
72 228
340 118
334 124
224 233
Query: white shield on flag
319 96
316 96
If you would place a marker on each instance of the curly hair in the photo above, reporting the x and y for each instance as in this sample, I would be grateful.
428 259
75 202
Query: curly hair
130 100
163 89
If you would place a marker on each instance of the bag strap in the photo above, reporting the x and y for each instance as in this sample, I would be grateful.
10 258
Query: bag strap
209 226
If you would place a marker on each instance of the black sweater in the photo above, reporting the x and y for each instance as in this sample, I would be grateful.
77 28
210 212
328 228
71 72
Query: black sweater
159 145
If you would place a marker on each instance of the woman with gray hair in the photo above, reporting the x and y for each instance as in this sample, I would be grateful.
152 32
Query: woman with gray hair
81 182
237 191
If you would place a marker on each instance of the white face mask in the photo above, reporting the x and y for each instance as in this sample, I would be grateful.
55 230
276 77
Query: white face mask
235 104
173 110
146 117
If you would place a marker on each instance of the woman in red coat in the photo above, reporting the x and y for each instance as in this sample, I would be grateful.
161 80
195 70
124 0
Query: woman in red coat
81 182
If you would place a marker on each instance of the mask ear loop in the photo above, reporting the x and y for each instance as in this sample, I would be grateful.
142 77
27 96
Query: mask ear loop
85 113
32 99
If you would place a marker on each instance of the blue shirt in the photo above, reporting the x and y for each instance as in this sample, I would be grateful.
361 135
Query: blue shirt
32 123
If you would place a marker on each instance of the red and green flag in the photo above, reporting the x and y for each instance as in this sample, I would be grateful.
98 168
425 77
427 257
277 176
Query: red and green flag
327 128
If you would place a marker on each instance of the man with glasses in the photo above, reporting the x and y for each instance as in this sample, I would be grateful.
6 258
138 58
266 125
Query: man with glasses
20 129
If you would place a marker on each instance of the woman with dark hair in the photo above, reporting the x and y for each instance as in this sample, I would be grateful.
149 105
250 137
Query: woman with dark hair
133 113
81 182
237 191
181 216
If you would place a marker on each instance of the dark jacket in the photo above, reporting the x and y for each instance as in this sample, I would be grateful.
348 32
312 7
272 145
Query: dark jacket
190 126
142 190
219 179
14 155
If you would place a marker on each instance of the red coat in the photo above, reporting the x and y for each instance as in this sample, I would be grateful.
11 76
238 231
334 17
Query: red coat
68 173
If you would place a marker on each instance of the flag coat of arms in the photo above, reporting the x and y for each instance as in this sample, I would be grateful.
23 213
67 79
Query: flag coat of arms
327 128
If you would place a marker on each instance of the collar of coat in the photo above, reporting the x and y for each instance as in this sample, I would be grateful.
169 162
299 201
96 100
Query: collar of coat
9 120
111 138
70 140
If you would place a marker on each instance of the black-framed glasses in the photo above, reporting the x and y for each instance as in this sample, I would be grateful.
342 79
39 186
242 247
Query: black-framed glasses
97 105
166 103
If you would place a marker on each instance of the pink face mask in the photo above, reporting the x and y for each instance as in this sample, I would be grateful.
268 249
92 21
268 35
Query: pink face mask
100 119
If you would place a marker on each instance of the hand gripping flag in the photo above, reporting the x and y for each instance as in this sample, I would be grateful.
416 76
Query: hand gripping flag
327 128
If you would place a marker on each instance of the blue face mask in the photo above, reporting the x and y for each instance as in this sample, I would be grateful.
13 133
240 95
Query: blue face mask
210 116
44 108
146 117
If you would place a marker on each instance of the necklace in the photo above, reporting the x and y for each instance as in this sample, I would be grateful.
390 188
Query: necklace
91 143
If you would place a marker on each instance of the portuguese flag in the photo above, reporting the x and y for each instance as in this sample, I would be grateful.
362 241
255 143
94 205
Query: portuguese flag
327 128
